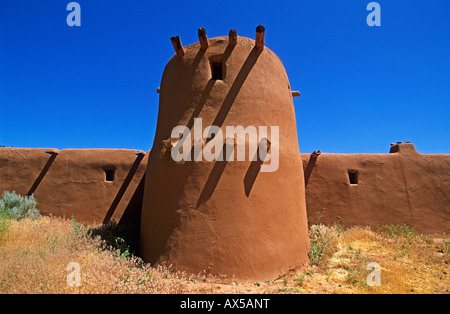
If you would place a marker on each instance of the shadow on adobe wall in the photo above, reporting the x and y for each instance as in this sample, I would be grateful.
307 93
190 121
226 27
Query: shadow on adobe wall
219 166
124 234
214 176
310 166
53 154
402 187
123 188
253 171
236 87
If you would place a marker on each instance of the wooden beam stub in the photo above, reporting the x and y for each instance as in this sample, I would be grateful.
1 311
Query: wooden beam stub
259 41
176 42
202 38
232 37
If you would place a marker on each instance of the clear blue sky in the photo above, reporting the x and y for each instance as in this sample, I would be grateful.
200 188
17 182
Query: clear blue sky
94 86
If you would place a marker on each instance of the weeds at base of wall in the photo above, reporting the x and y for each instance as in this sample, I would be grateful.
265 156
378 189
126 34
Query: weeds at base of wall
409 262
398 231
4 225
35 254
15 206
322 244
123 240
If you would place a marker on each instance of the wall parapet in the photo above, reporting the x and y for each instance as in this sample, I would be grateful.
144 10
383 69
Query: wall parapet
402 187
93 185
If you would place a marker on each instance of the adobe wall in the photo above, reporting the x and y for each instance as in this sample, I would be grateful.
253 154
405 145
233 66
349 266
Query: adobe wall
73 181
402 187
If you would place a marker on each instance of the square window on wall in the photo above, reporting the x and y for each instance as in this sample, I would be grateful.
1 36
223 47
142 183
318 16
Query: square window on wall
353 177
110 174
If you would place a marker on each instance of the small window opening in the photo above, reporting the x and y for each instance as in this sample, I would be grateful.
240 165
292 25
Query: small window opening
353 177
109 174
216 70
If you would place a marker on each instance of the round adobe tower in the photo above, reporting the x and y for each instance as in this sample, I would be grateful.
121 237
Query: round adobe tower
226 217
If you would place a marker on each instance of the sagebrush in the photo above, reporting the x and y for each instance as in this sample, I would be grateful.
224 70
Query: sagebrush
15 206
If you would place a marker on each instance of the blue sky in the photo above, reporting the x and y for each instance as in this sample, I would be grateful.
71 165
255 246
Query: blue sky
94 86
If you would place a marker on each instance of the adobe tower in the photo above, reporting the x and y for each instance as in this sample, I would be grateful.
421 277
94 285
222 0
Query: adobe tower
226 217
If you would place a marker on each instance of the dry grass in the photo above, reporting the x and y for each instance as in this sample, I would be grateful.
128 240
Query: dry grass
34 255
410 263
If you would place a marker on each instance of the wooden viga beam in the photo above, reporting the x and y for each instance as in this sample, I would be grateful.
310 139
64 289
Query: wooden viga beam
52 151
316 154
176 42
202 38
259 41
232 37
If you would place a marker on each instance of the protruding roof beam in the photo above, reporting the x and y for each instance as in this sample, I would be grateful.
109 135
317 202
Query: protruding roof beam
202 38
176 42
295 93
316 154
259 41
232 37
52 151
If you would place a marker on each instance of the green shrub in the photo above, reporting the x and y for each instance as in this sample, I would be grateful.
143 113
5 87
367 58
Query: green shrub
124 240
15 206
77 227
323 244
4 224
398 231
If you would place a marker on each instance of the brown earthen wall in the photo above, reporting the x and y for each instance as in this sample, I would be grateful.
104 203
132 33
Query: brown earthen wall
73 181
398 188
403 187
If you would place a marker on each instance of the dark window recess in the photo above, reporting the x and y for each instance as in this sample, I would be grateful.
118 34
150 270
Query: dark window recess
109 174
216 69
353 177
